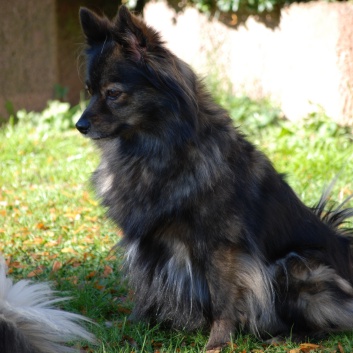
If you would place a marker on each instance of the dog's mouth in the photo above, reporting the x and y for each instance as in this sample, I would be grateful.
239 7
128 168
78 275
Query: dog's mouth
97 137
89 132
84 126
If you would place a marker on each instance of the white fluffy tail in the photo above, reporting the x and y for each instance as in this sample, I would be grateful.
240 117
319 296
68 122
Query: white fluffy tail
29 321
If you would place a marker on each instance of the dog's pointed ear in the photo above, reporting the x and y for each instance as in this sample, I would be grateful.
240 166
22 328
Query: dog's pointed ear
137 39
94 27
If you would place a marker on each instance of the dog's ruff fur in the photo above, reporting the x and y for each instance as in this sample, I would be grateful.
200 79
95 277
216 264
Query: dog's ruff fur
214 236
29 321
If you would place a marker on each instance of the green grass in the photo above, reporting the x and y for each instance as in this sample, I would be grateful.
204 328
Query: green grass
52 227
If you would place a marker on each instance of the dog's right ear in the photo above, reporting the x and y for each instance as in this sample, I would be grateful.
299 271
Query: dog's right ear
95 28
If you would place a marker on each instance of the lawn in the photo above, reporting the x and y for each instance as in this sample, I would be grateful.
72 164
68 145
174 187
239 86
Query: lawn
52 227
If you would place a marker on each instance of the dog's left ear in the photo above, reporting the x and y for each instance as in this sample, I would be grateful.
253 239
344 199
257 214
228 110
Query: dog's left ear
138 40
95 28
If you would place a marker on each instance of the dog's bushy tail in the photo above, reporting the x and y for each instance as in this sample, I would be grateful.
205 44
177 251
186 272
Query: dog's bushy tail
30 322
336 216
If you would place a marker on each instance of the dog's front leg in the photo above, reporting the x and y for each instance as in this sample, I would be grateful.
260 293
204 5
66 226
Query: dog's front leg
221 332
240 293
224 296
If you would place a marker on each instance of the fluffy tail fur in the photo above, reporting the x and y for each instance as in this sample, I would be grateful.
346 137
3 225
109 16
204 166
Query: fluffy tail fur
333 215
29 321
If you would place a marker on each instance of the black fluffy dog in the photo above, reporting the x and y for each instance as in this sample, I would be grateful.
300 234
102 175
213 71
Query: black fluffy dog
214 236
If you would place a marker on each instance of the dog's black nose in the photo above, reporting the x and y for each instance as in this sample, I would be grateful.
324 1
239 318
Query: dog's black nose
83 126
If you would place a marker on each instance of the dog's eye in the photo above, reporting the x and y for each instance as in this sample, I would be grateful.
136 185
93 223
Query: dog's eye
113 94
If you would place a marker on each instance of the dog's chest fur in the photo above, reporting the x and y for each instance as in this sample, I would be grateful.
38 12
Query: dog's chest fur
169 286
146 191
159 261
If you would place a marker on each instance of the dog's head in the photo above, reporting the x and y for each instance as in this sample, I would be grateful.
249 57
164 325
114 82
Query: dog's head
136 84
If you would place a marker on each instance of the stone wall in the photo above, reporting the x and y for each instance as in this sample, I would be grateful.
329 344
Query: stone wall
41 45
304 64
28 57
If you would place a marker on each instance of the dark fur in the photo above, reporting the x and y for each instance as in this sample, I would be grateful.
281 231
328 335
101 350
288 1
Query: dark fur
214 236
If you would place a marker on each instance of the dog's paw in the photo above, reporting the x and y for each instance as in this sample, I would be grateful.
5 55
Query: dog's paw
214 350
215 347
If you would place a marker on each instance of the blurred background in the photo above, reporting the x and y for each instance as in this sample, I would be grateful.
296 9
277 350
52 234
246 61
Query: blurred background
300 55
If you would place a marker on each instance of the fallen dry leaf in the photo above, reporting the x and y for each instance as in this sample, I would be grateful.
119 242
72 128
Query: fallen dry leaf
107 271
340 348
123 310
56 266
91 274
42 226
308 347
17 264
35 272
156 345
34 241
99 286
